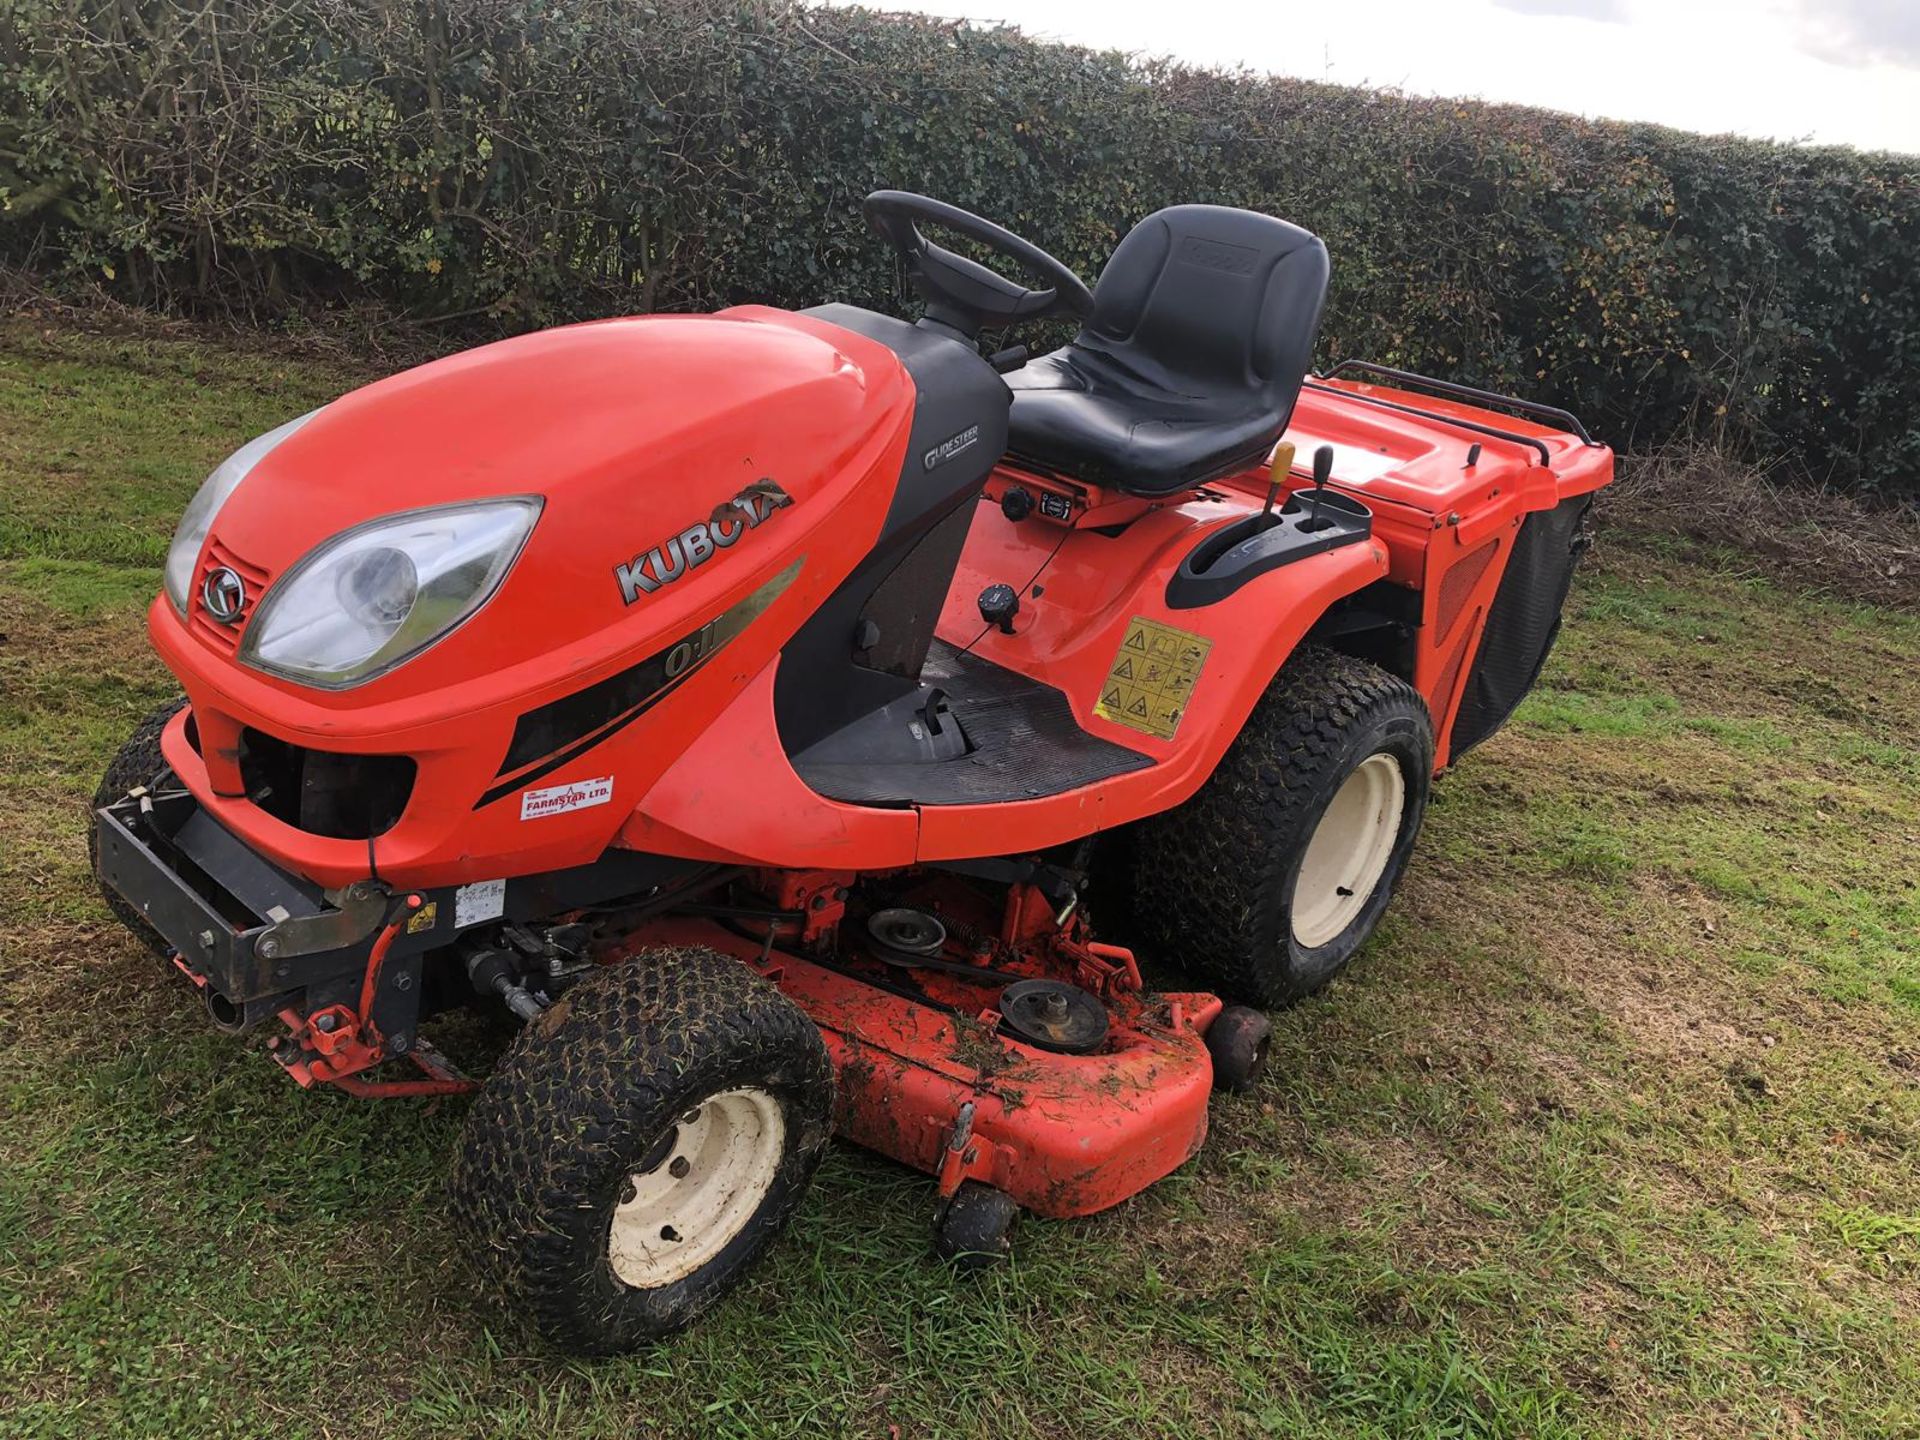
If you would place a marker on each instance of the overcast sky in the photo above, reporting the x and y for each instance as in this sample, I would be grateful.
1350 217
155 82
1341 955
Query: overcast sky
1826 71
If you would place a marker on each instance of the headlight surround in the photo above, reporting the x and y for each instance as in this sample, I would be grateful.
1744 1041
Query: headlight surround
377 595
197 520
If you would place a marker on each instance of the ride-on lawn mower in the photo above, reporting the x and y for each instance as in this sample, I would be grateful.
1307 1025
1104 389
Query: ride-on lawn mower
762 707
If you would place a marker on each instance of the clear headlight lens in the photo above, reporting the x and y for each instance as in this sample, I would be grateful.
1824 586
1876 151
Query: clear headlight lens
184 553
382 592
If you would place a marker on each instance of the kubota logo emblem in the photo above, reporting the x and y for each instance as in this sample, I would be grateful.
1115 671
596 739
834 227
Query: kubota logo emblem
224 594
697 544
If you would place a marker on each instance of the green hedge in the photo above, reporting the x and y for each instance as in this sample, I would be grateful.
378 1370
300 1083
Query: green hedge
507 163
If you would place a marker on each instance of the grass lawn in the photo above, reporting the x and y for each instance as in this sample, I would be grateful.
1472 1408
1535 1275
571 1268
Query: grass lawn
1613 1130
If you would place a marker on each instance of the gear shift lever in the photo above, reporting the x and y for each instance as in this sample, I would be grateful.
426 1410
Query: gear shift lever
1322 470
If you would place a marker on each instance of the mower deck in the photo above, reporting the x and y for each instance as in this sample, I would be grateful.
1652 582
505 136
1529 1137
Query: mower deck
928 1078
928 1070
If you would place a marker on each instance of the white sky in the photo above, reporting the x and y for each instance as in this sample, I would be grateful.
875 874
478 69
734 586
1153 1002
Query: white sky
1825 71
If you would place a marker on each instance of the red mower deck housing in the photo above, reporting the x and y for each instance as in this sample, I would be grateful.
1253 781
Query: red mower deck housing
927 1075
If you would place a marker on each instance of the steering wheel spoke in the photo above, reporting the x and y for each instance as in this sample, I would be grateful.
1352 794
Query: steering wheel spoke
962 294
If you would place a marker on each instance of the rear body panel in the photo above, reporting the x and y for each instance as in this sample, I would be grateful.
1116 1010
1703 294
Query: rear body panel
1442 532
1450 526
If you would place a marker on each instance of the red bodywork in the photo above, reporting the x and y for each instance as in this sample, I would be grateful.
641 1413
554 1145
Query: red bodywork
634 429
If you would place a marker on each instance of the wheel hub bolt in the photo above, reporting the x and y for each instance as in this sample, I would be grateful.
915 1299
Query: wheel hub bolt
679 1168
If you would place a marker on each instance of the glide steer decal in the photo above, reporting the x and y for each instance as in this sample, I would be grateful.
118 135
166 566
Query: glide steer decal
950 447
697 544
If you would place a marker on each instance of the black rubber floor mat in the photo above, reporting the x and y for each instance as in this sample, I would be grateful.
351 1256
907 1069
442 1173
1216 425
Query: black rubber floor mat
1026 744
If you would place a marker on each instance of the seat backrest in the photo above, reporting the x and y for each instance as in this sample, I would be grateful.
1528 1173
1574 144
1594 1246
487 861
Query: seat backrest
1200 299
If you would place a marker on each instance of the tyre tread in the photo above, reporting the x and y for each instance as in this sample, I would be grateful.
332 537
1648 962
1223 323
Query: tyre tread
1207 875
576 1094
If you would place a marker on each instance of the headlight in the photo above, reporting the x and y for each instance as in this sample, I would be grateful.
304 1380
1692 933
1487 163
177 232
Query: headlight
380 593
212 494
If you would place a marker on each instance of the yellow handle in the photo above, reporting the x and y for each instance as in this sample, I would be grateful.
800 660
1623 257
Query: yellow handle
1282 462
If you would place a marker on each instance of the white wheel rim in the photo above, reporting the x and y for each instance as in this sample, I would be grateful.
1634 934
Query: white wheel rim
675 1217
1348 852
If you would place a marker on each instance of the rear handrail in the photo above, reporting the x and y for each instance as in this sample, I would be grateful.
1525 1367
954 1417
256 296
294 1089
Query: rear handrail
1546 455
1530 408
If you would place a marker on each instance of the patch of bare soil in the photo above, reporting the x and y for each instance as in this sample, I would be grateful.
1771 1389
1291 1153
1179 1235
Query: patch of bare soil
1667 1009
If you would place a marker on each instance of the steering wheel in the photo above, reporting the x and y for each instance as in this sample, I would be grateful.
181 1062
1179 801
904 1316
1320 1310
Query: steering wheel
960 293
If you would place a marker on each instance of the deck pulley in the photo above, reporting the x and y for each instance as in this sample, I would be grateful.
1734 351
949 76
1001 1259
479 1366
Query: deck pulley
903 935
1054 1016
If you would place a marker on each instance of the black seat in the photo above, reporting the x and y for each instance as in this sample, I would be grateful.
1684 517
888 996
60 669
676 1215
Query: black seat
1189 365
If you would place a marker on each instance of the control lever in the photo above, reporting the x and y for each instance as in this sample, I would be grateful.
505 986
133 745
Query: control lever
1277 473
1322 472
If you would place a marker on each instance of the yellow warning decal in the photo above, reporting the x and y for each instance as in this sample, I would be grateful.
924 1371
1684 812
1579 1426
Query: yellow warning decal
1152 678
424 918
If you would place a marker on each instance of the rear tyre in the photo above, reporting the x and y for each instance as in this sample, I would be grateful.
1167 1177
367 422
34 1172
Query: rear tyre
974 1229
1276 871
641 1145
138 763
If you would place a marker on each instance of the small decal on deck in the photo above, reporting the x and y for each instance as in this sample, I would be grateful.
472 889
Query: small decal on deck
1153 676
424 919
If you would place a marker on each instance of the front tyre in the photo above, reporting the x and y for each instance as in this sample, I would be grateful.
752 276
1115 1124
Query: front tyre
1276 871
641 1145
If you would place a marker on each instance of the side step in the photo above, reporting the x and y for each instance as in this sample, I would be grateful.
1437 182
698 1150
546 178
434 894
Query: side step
1023 743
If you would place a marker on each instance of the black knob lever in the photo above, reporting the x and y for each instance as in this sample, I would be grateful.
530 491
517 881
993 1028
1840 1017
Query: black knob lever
1322 472
998 605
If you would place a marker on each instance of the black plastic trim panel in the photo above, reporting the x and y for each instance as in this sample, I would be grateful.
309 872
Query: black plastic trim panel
1234 554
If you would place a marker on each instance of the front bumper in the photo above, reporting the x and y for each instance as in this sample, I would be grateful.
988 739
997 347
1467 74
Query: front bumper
442 836
256 938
